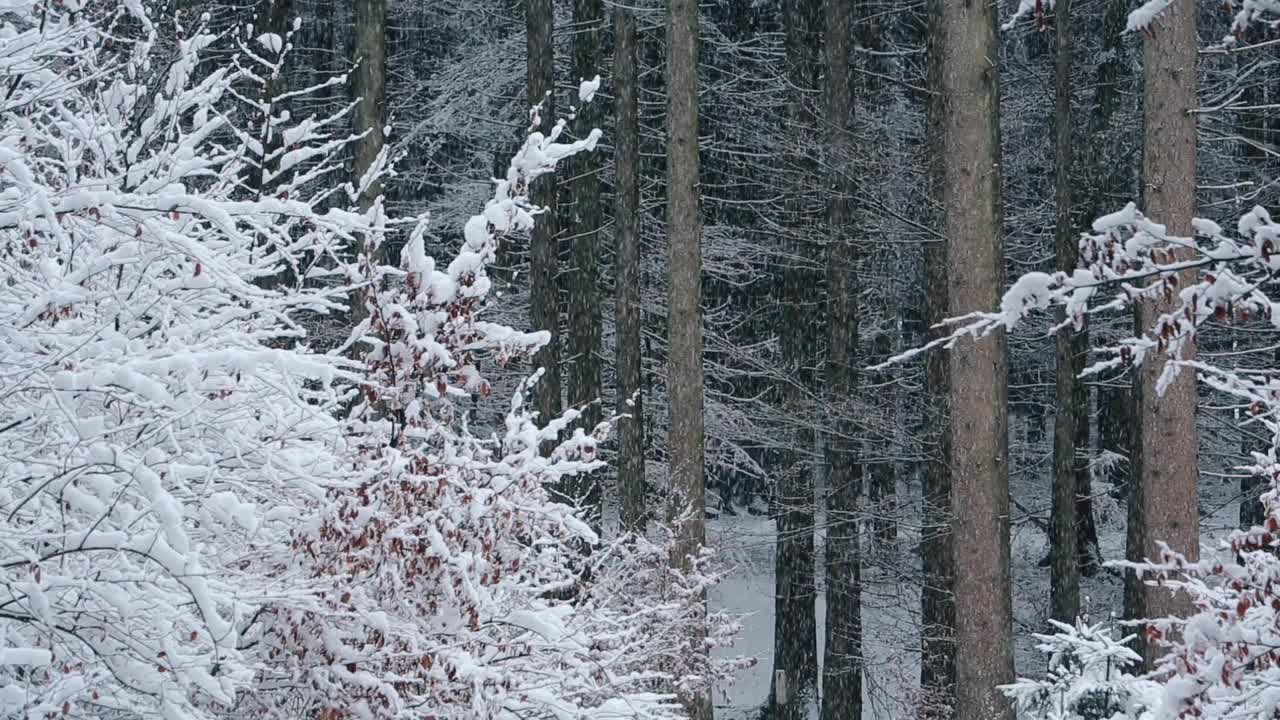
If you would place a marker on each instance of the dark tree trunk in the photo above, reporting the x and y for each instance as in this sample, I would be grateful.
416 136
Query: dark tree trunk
883 476
544 257
1072 403
626 231
937 561
368 87
1254 166
795 634
842 653
583 342
1113 183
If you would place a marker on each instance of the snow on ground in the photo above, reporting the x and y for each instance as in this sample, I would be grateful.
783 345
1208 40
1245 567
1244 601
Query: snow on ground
890 601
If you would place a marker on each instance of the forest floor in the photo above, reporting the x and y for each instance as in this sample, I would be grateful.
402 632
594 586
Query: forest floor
890 597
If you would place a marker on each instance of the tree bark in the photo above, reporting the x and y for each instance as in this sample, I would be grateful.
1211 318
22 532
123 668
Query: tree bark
937 560
544 256
842 653
1072 404
583 346
881 470
978 427
368 86
684 369
1113 182
368 89
1255 169
1166 458
627 241
795 635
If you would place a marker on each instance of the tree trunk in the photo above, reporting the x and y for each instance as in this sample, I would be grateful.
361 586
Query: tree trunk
368 89
882 472
1166 460
970 90
626 231
544 256
937 560
684 369
842 653
795 635
1114 182
368 86
1254 169
1071 405
584 297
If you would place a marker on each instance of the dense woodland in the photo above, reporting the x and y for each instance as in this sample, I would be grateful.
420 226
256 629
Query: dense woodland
524 359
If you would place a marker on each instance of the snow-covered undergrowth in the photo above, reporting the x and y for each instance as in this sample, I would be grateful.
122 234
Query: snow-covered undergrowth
203 513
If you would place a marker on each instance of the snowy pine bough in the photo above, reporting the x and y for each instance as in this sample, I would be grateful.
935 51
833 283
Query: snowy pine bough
205 510
1089 676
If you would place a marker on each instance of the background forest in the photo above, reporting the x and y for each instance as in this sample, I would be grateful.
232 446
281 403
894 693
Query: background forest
843 392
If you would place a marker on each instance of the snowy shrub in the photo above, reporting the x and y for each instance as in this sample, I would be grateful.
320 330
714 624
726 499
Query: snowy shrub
456 583
205 516
162 423
1088 677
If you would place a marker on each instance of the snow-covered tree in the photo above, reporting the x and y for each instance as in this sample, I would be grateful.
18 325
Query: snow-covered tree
163 420
205 516
457 584
1089 677
1221 660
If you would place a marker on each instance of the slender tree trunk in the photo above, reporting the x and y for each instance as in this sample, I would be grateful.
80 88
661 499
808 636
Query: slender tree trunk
1071 402
1254 167
583 344
368 89
368 86
970 88
684 369
1166 460
544 256
882 472
937 560
842 653
795 635
626 230
1114 182
273 17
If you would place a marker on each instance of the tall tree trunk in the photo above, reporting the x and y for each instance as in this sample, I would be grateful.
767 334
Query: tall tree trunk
970 90
1166 459
684 264
795 634
1254 167
583 344
1072 403
842 652
368 86
1113 182
368 89
544 256
937 559
626 232
882 471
